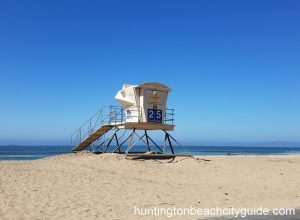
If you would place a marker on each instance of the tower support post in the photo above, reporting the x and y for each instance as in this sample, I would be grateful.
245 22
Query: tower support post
135 137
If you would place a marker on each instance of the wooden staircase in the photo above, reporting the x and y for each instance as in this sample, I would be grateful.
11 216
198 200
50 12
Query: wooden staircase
92 137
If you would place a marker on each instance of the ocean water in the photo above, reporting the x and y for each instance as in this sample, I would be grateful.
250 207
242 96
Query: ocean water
37 152
17 152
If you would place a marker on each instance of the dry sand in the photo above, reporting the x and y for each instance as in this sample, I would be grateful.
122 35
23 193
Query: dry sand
88 186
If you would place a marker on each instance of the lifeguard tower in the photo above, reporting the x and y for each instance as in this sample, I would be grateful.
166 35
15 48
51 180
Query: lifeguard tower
143 109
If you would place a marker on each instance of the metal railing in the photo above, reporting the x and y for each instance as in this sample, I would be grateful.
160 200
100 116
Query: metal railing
112 115
107 115
169 117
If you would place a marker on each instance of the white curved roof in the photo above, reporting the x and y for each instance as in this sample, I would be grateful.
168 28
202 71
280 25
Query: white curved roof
154 85
126 96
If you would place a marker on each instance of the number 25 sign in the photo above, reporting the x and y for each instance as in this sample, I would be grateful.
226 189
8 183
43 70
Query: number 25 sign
155 115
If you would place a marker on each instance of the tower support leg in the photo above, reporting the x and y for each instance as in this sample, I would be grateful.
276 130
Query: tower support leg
167 146
119 147
110 140
148 145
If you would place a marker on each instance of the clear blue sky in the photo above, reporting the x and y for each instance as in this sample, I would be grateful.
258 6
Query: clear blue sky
234 66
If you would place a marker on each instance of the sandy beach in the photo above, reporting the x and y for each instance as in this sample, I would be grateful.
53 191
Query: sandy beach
109 186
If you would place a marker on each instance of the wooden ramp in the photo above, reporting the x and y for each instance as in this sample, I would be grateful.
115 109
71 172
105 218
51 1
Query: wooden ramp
156 156
92 137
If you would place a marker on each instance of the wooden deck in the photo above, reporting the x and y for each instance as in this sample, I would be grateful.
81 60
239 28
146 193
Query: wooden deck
145 126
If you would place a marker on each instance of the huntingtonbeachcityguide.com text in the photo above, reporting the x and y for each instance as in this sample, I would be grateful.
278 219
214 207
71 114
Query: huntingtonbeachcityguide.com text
193 211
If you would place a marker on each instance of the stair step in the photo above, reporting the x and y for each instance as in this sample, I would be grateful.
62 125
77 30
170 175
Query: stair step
92 137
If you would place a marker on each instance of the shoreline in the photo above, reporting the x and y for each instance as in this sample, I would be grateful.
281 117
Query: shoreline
123 154
36 152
